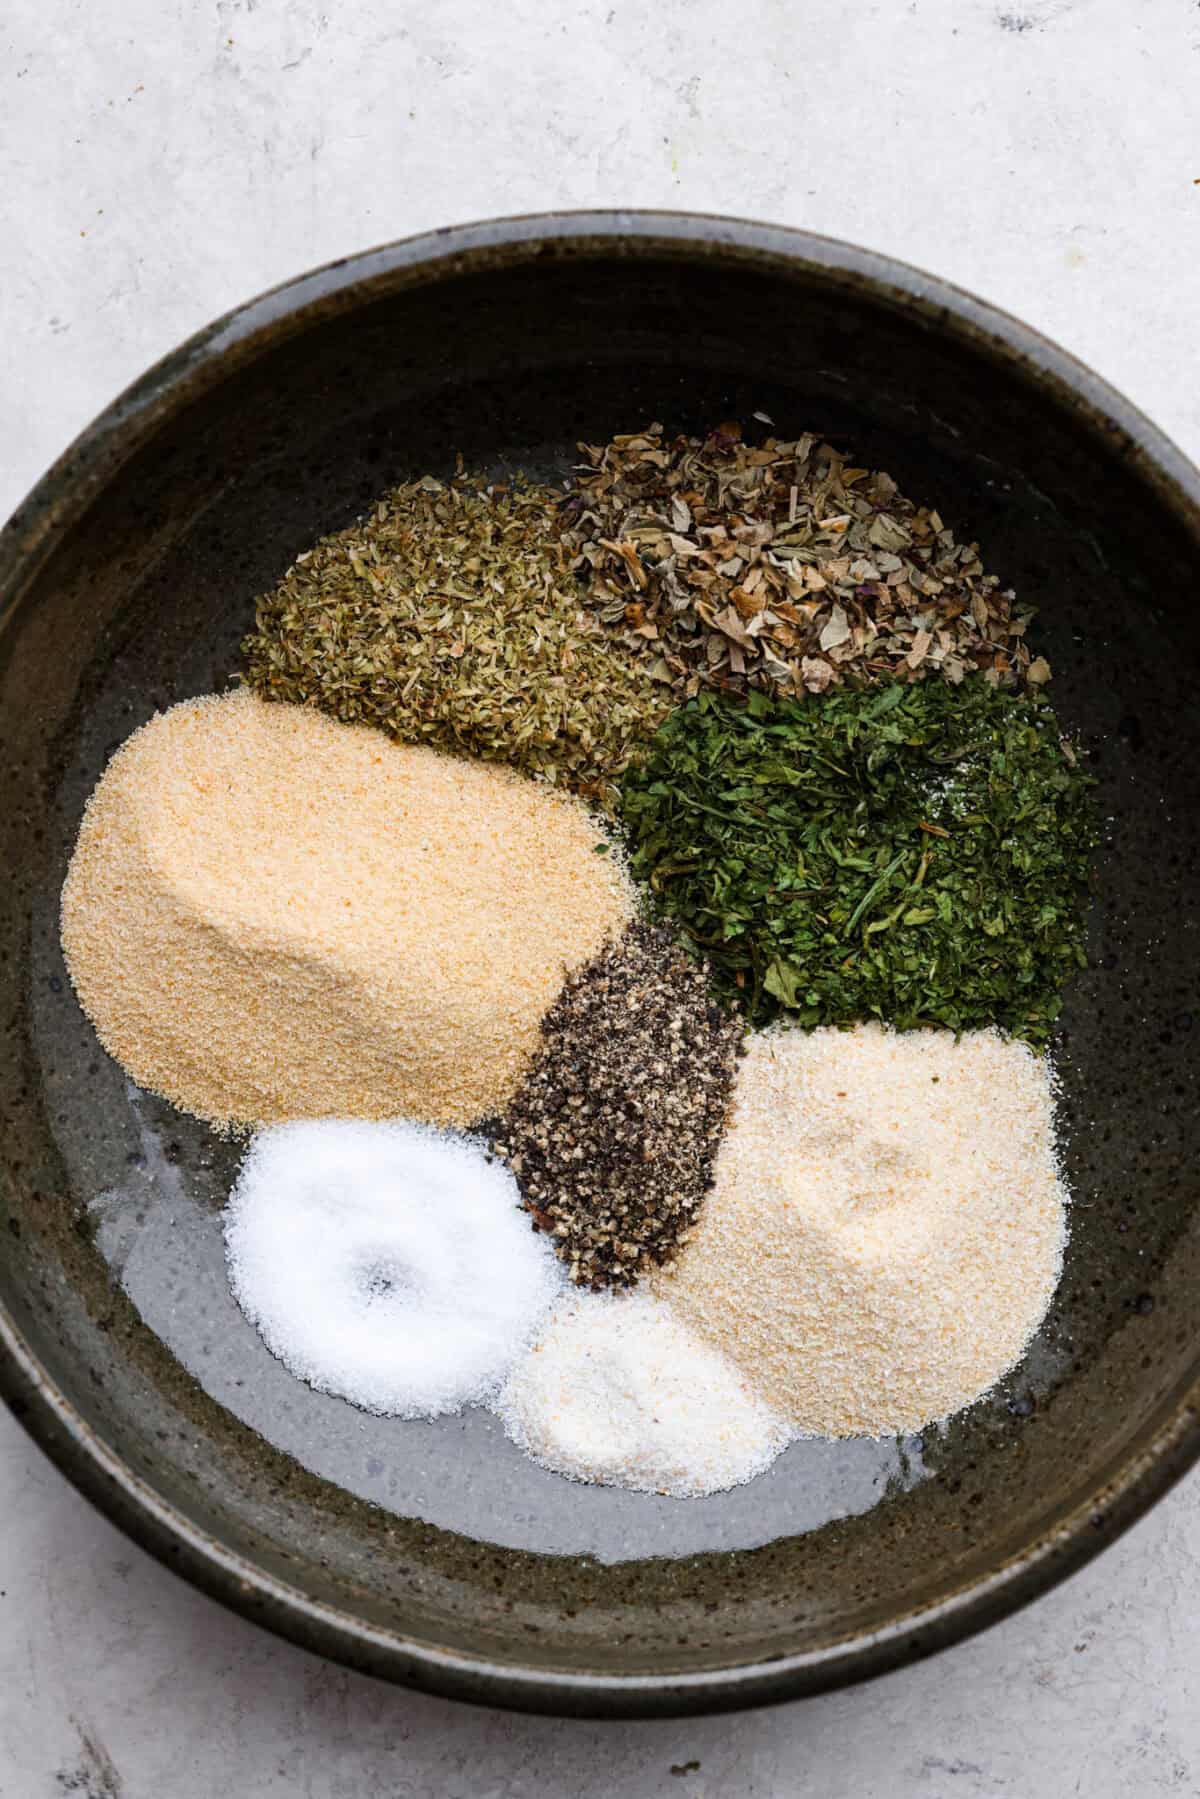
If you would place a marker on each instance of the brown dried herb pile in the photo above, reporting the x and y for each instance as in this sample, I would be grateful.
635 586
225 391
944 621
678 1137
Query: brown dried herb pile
613 1133
448 617
782 569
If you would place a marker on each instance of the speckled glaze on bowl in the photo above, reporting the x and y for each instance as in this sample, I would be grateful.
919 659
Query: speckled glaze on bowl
439 1558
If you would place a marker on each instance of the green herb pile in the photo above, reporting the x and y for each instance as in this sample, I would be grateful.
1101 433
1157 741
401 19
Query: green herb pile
449 617
912 853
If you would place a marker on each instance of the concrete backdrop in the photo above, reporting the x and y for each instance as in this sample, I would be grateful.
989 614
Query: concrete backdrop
161 160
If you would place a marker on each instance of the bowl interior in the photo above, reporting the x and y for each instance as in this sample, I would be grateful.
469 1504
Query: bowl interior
441 1538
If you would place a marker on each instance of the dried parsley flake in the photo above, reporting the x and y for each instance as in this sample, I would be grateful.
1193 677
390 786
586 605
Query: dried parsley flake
915 854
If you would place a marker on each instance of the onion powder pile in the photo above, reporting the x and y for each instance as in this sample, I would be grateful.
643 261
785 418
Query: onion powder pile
387 1263
886 1224
271 916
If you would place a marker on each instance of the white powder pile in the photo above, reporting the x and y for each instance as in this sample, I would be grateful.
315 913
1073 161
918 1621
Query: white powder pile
620 1392
387 1263
886 1225
269 915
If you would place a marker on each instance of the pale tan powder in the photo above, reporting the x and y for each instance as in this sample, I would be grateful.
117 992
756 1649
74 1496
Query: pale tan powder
886 1225
269 916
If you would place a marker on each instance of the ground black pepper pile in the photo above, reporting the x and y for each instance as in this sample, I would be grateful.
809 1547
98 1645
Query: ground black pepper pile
613 1133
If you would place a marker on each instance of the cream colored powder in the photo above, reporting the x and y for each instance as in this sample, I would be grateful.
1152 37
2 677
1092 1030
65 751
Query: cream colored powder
617 1390
271 916
886 1225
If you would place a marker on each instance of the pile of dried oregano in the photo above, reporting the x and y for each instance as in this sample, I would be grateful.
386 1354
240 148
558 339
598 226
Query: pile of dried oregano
449 617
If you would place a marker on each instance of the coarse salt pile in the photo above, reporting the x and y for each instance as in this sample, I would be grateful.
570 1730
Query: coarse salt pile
386 1263
619 1391
886 1225
269 915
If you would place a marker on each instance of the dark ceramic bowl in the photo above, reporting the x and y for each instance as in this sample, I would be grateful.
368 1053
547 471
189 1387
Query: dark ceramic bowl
434 1554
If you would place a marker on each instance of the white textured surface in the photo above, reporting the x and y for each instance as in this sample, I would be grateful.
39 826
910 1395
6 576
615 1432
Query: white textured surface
163 159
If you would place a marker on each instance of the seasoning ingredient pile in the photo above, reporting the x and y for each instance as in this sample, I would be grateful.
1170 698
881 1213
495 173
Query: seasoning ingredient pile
613 1131
449 617
917 854
335 906
621 1391
271 916
781 568
886 1224
386 1263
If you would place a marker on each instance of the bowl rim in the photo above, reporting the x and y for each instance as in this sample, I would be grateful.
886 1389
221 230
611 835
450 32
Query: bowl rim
1141 1476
